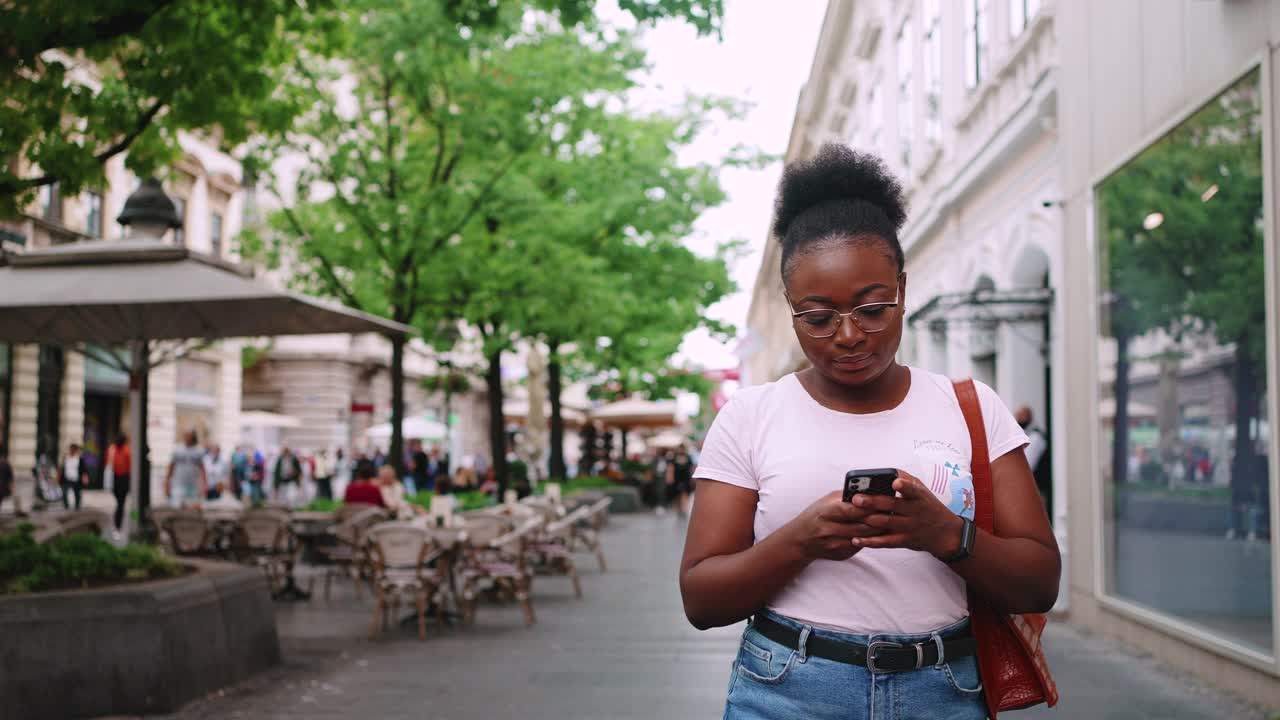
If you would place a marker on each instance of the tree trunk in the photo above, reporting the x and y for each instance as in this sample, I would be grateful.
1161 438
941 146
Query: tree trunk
1245 386
497 427
558 469
396 451
1120 421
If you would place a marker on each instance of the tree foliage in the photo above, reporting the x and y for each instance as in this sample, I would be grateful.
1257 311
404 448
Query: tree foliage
84 81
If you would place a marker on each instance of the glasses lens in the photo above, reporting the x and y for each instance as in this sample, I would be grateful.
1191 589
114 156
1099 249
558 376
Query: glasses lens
819 323
874 317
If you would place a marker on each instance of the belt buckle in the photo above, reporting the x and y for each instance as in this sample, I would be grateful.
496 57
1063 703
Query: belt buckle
871 654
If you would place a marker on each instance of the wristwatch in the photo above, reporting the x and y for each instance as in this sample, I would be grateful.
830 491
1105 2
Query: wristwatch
968 532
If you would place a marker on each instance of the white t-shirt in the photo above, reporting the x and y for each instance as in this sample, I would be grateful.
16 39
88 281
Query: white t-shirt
777 440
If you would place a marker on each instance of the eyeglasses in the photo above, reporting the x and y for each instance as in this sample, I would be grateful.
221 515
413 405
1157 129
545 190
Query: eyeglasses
824 322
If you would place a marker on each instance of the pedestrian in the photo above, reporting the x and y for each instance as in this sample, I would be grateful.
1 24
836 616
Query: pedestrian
680 479
362 489
771 539
75 475
185 483
120 462
341 473
258 477
286 476
239 471
7 486
419 477
217 471
1037 451
322 471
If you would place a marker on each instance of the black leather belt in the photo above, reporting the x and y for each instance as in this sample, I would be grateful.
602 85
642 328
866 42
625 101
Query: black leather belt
878 657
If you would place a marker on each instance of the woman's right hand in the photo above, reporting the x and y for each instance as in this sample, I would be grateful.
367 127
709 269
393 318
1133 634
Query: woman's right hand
826 528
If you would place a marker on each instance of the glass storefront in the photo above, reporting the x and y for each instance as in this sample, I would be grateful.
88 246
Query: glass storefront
1183 373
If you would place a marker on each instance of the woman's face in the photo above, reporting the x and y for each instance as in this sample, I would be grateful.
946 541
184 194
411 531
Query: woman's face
841 278
386 475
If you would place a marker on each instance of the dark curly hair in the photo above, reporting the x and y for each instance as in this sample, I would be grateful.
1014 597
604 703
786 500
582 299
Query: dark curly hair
839 196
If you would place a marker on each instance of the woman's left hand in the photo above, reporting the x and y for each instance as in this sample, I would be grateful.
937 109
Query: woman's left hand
915 519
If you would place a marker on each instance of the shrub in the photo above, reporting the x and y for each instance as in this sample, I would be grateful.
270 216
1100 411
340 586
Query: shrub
323 505
75 561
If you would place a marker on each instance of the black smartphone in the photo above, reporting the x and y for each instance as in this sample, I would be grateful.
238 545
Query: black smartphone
877 481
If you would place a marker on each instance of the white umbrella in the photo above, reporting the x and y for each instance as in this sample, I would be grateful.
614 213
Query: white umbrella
634 412
517 411
1137 410
666 440
414 428
260 419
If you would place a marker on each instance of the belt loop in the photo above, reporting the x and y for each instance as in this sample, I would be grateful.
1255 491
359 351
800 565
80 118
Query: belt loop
942 657
804 642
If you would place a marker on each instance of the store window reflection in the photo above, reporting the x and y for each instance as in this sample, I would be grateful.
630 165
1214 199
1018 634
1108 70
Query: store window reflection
1184 374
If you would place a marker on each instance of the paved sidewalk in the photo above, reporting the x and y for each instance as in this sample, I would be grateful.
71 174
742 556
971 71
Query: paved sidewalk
623 651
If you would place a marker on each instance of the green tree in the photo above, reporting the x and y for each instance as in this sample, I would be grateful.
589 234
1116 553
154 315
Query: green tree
86 80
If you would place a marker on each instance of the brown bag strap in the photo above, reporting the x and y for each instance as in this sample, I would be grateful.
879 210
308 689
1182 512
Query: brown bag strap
980 463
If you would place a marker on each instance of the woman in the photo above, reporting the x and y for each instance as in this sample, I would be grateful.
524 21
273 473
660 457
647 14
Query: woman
771 538
393 494
120 461
362 489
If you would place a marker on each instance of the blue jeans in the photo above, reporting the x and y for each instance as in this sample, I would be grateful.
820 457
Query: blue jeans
771 681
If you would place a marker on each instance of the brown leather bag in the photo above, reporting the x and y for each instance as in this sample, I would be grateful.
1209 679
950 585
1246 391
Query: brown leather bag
1011 661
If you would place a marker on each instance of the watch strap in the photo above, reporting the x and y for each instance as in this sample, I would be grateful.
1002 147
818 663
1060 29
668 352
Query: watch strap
968 532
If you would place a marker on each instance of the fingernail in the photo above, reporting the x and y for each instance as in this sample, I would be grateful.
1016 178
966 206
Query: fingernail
856 542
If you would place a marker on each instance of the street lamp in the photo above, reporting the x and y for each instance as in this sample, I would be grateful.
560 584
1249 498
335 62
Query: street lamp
148 214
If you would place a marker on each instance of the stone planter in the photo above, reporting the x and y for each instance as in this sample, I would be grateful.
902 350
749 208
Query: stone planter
134 649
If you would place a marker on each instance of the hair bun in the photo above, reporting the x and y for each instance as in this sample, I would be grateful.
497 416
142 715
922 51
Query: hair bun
837 173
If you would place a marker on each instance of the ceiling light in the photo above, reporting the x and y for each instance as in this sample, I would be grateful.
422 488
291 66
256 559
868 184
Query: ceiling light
1209 192
1152 221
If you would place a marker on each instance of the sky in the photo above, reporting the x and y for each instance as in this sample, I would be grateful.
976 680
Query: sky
764 58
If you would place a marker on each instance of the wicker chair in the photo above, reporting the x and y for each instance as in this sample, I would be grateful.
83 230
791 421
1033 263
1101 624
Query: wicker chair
187 533
550 549
496 558
348 556
400 552
588 527
264 538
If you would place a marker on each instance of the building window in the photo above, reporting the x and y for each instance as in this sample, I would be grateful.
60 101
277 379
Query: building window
975 42
905 105
1184 373
215 233
875 119
50 203
180 232
932 71
1021 13
93 214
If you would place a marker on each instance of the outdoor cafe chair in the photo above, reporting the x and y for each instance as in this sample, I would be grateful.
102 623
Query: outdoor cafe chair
588 527
348 555
400 552
495 558
264 538
550 550
187 532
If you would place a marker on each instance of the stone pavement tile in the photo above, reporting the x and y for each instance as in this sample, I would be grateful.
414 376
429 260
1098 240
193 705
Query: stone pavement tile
623 651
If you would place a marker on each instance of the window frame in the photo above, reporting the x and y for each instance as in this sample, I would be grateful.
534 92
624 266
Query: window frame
1146 616
931 51
977 39
93 226
216 222
905 91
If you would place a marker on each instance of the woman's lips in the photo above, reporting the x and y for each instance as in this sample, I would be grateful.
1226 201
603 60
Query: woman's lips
854 362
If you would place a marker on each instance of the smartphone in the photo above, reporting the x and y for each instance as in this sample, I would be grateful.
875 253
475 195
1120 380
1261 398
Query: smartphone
878 481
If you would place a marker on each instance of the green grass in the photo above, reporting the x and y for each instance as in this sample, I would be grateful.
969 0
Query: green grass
1192 493
75 561
464 501
323 505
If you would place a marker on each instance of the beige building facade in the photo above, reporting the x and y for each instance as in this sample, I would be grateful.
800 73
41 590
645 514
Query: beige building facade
1091 232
